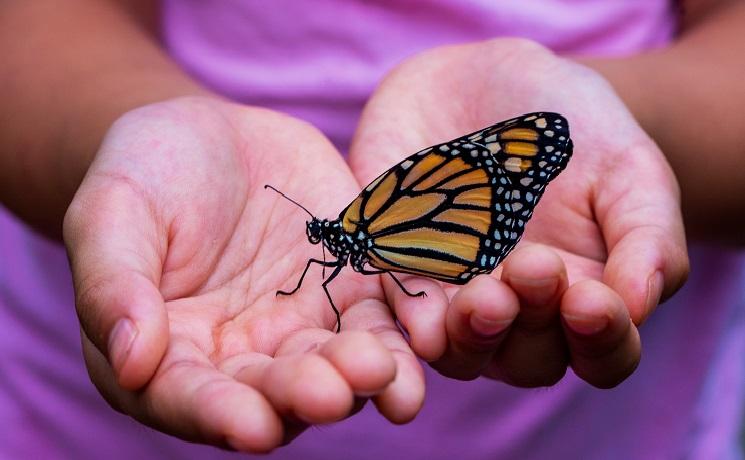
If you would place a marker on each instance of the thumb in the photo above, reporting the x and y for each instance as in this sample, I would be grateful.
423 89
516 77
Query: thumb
643 228
111 240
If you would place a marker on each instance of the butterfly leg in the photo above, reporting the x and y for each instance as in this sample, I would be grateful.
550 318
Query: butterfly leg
418 294
310 261
326 290
406 291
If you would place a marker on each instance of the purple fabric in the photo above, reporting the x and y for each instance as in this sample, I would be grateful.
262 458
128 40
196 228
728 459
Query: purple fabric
319 61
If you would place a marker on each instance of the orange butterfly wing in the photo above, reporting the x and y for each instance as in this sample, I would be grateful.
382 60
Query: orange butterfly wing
455 210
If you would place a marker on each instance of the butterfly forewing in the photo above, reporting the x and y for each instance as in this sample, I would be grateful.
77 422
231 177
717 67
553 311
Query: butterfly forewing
456 209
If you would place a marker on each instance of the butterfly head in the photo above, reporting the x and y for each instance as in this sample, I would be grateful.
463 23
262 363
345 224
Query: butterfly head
314 227
314 230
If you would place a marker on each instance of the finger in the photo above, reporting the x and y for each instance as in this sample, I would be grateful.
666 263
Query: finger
189 399
401 399
316 374
604 344
534 353
303 387
249 369
363 361
643 228
111 241
480 313
371 356
423 317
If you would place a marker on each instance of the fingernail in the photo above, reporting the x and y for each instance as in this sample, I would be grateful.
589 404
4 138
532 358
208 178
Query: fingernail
655 284
120 343
488 327
586 325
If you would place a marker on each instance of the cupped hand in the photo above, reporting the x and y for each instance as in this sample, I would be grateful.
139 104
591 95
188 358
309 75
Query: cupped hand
605 244
177 251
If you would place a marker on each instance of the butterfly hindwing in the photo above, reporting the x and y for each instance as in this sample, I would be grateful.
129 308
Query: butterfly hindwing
530 150
455 210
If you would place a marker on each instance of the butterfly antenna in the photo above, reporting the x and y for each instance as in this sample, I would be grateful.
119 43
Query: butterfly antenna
290 199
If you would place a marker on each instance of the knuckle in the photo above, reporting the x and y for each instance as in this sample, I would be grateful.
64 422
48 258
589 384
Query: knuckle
607 381
545 377
607 375
91 297
679 274
457 371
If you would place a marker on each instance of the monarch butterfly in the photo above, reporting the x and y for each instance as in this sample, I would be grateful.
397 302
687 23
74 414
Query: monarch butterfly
449 212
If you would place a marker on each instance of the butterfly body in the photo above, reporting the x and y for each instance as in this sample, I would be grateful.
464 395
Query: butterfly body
339 243
451 211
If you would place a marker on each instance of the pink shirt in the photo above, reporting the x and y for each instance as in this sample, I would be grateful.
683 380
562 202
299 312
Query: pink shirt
319 61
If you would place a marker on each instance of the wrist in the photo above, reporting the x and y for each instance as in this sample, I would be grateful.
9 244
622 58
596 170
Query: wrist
70 73
629 77
59 161
96 108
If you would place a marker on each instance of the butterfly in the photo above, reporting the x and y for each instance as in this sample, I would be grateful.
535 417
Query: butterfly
448 212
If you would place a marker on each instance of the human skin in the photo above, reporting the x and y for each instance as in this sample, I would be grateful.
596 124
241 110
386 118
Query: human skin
604 244
142 271
688 97
164 232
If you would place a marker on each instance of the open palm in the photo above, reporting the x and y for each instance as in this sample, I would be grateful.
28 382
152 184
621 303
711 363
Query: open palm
605 243
177 252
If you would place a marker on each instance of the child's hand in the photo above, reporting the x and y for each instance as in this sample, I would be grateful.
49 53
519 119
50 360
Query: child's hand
610 231
177 251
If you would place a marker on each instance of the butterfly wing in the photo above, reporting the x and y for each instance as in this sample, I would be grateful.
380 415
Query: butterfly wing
455 210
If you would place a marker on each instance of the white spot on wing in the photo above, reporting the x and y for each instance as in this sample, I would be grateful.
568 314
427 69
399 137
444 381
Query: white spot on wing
513 164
